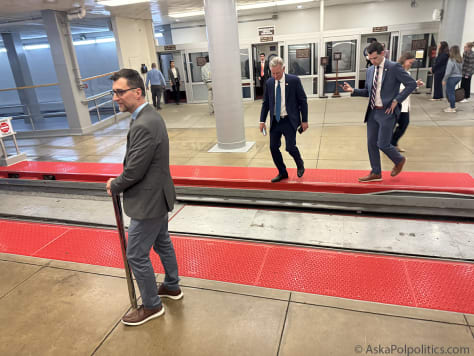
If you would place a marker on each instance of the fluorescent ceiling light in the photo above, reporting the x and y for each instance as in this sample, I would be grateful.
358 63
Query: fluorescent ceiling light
244 7
40 46
187 14
159 34
120 2
105 40
82 42
3 50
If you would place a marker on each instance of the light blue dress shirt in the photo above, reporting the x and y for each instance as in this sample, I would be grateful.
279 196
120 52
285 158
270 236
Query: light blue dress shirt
155 77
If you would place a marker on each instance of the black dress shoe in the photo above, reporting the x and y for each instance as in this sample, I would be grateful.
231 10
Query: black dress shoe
300 172
279 178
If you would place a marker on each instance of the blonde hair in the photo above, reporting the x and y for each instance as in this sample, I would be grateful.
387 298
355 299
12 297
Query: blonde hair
455 54
276 61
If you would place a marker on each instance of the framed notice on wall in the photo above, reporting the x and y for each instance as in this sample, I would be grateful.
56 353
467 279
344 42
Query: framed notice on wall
200 61
302 53
418 44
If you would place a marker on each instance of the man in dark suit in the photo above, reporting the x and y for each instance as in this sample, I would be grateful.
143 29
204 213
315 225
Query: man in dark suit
383 88
148 196
286 100
262 71
175 79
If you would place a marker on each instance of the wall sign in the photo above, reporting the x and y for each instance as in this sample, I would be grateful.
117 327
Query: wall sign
302 53
266 31
380 29
170 47
266 38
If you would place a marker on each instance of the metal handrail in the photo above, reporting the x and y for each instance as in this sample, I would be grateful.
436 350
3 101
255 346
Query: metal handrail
97 96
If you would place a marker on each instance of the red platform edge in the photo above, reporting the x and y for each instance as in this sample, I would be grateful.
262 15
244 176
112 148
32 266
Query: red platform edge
414 282
314 180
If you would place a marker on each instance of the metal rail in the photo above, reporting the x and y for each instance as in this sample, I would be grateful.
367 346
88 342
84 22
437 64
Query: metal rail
391 202
123 245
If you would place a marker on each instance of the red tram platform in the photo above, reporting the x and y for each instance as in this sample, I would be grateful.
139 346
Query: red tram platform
314 180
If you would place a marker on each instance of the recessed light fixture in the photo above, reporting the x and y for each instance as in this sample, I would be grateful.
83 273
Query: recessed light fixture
299 6
244 7
120 2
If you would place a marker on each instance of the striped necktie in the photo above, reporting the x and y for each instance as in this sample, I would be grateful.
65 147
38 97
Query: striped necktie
374 88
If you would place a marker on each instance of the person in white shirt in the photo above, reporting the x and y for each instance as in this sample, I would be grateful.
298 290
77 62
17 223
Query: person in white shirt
206 78
406 60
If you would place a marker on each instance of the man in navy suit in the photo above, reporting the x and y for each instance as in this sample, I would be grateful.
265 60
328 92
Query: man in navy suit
286 100
383 88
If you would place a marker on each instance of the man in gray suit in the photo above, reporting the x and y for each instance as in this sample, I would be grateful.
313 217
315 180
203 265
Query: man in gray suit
148 196
383 88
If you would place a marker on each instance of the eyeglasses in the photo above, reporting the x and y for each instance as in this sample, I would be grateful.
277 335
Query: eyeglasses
120 92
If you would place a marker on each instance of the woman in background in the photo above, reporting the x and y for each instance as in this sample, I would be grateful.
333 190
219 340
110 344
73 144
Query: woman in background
406 60
439 69
467 70
452 76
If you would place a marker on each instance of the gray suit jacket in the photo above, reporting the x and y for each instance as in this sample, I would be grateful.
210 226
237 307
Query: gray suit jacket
148 190
393 75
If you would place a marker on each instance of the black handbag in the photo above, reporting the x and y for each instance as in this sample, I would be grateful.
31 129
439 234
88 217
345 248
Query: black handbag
459 94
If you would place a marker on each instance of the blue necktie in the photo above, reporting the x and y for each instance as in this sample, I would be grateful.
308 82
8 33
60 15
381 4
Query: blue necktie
278 103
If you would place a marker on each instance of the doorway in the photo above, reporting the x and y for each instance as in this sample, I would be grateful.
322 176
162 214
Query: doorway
270 50
164 59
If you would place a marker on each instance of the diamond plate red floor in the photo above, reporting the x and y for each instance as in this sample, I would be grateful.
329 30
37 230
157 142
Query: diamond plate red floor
412 282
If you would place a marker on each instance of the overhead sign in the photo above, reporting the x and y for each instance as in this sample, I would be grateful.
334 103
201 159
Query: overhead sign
266 31
380 29
266 38
6 128
170 47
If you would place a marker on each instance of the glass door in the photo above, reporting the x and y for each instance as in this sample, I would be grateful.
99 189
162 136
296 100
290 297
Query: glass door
347 66
165 59
302 60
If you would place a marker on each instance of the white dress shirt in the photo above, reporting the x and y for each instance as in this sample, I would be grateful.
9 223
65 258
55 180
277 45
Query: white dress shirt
282 89
378 98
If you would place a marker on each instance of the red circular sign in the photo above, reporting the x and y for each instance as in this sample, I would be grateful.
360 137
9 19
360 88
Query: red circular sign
4 127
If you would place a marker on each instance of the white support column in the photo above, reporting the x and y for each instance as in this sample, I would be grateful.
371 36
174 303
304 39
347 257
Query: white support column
67 70
321 50
224 55
452 23
135 41
21 74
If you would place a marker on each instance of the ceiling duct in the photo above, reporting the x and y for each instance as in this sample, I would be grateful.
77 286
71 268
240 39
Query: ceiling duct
77 14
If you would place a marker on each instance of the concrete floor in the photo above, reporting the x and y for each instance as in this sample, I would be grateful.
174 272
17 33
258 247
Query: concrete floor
435 141
63 308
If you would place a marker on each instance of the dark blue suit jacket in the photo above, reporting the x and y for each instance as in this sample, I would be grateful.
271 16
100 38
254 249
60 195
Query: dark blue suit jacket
295 101
393 75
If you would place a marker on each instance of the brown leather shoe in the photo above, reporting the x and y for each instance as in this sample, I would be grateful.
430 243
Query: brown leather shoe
163 292
142 315
398 167
372 177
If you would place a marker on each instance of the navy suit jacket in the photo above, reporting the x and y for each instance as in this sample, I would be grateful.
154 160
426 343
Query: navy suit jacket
295 101
393 75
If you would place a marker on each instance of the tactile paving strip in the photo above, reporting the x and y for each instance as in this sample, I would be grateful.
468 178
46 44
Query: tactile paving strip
424 283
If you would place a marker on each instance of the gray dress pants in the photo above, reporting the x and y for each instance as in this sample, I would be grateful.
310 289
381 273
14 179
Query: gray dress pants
142 236
379 134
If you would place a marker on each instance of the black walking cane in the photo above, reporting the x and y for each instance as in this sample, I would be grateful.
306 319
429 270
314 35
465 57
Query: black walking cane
123 245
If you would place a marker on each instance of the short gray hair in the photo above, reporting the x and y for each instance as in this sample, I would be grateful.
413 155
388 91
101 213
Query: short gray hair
276 61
